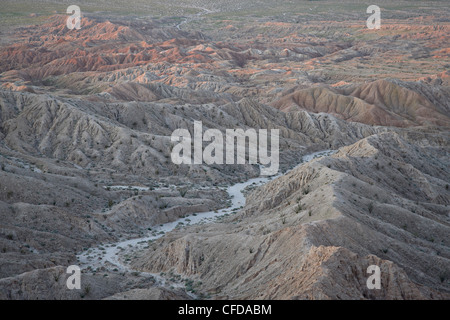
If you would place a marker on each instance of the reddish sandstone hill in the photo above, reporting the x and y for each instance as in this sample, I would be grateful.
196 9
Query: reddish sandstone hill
379 102
53 49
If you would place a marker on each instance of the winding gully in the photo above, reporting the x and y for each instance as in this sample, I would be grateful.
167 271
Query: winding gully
110 255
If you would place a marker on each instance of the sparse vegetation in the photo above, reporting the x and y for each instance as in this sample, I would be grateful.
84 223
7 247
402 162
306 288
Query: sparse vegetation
86 291
182 191
156 67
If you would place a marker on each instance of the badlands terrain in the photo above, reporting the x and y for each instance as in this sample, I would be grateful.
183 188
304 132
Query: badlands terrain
86 177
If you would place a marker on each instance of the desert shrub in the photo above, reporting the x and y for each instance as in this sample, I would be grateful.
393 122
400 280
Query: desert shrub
183 191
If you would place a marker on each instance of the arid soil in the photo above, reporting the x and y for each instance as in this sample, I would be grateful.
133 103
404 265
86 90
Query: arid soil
85 149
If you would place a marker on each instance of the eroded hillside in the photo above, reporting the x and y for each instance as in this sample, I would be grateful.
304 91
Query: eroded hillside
86 118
